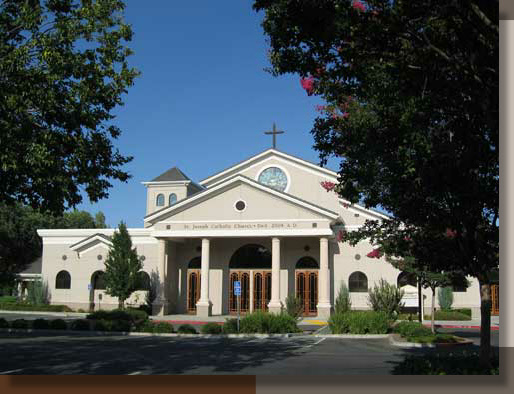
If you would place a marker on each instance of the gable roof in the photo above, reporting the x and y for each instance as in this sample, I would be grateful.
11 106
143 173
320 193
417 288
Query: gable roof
259 156
98 237
172 175
242 179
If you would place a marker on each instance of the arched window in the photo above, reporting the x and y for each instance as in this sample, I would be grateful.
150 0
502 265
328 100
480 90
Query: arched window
358 282
173 198
251 256
307 262
406 278
195 263
63 280
143 281
159 201
97 280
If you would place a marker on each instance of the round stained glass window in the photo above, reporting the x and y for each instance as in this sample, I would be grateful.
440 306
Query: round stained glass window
273 177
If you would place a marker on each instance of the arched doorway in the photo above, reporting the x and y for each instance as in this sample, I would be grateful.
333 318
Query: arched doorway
251 266
193 283
306 275
95 296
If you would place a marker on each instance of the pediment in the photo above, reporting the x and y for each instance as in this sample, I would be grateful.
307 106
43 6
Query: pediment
89 243
261 203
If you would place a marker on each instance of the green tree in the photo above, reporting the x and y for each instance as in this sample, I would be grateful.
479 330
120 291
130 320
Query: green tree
100 220
63 69
411 94
78 219
122 266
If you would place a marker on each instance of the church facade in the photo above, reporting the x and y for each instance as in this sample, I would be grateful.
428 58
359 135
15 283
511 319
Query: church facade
271 223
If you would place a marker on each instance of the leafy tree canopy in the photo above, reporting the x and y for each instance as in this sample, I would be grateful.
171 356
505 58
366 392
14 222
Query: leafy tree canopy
63 69
411 108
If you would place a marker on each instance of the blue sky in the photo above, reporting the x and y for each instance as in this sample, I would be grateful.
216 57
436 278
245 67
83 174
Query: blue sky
203 99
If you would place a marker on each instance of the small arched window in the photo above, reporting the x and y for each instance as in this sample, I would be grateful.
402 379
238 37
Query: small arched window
406 278
173 198
195 263
358 282
97 280
159 201
307 262
63 280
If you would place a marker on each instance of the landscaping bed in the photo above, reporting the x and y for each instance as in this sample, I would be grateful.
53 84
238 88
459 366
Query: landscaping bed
415 332
24 306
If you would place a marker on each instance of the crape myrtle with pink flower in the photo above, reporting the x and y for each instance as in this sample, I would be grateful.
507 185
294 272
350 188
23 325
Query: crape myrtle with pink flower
410 106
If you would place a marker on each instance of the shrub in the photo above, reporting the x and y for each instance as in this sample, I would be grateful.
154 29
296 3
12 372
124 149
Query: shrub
462 363
211 328
230 326
20 323
386 298
445 298
58 324
360 322
120 325
41 324
80 310
264 323
343 303
130 316
137 315
102 325
162 327
37 292
8 299
146 326
408 329
449 315
80 325
464 311
294 307
186 329
4 323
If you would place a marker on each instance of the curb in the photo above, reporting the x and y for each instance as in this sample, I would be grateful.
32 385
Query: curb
353 336
60 314
141 334
405 344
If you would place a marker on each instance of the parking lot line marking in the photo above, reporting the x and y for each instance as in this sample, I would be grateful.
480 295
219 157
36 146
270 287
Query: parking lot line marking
135 373
11 371
316 343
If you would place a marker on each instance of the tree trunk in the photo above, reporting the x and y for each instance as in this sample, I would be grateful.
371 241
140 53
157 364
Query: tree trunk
121 303
432 317
485 323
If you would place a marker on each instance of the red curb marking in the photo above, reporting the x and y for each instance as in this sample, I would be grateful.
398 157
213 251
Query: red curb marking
493 328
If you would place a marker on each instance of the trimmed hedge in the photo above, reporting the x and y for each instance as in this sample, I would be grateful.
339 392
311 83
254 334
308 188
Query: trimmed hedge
131 315
8 299
360 322
268 323
20 323
4 323
58 324
41 324
211 328
462 363
162 327
410 329
450 315
80 325
22 306
186 329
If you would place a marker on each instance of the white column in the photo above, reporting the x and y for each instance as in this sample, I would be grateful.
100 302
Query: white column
275 305
203 306
160 305
324 281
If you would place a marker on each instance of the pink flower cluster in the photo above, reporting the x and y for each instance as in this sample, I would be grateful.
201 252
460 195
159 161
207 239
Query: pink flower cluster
374 254
308 84
346 205
407 238
358 5
450 234
340 236
327 185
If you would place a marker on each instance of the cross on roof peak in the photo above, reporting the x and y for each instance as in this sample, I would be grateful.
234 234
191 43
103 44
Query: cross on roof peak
274 133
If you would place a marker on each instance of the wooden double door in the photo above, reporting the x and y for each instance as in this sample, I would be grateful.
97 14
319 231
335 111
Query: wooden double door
307 291
495 300
193 289
258 297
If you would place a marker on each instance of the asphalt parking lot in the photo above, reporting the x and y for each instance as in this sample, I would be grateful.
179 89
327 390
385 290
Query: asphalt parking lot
124 355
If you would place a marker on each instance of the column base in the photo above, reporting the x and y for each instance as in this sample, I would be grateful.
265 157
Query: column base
324 310
203 308
275 307
160 308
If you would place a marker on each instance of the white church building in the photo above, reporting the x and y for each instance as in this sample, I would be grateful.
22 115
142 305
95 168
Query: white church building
266 222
